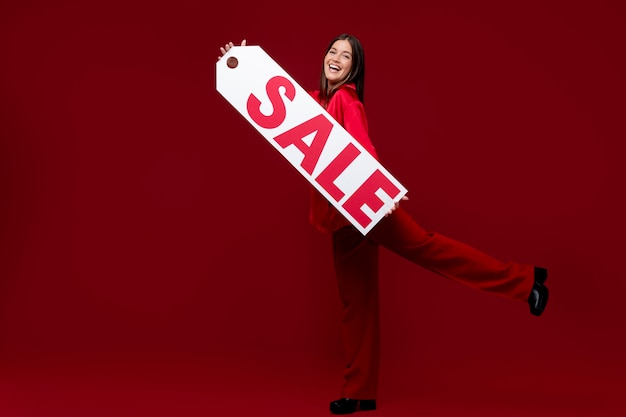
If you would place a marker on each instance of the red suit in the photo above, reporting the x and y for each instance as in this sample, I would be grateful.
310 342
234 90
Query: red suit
356 262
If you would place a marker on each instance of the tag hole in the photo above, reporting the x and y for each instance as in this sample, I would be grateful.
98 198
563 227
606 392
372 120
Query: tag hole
232 62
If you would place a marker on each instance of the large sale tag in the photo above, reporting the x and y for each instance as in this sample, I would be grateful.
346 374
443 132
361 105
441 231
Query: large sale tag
335 163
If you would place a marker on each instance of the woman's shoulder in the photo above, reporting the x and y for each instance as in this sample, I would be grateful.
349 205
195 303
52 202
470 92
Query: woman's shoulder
344 96
347 92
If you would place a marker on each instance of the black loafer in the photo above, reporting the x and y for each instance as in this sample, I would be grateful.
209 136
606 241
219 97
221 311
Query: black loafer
348 406
538 297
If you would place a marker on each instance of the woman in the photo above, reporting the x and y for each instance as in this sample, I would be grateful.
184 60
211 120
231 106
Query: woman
356 256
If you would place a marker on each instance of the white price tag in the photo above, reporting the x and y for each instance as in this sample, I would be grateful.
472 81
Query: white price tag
335 163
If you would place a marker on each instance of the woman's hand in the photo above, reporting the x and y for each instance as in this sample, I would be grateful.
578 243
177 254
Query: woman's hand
395 206
225 48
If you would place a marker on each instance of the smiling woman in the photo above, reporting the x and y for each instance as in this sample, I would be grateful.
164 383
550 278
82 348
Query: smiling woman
129 279
338 61
344 63
356 255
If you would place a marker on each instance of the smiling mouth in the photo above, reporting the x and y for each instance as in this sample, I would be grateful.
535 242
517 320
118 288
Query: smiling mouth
333 68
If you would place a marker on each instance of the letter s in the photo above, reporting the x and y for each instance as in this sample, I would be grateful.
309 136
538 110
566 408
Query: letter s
278 116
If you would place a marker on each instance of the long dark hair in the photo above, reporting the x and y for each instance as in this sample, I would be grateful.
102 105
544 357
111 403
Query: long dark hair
357 74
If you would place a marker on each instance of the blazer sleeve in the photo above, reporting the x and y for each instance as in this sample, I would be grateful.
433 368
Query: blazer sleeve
355 122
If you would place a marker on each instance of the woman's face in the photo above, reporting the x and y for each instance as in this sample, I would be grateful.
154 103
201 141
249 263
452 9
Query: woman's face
338 62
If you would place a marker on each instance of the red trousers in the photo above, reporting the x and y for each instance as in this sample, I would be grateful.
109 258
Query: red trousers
356 266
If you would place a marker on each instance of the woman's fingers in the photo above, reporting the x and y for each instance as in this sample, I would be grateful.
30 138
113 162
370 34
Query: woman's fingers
226 47
396 205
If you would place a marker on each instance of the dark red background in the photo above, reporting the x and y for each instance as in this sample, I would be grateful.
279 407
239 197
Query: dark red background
155 253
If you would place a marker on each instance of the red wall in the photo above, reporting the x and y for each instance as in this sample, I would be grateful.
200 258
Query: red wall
140 213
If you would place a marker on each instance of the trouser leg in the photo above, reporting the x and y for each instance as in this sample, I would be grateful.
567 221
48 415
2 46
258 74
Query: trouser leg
455 260
356 266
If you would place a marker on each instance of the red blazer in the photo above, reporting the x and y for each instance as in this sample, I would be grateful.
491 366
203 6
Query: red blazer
346 108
